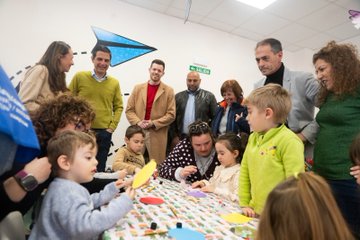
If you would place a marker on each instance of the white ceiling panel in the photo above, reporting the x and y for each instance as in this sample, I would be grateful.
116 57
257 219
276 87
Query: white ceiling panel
232 12
163 2
316 42
294 33
258 23
175 12
291 47
295 9
200 7
349 4
248 34
217 25
326 18
297 24
344 31
153 5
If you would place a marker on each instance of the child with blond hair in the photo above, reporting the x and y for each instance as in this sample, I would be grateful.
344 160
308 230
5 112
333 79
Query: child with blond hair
273 152
68 211
302 207
130 157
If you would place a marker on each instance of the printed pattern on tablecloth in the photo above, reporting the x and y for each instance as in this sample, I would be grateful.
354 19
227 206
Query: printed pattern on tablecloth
199 214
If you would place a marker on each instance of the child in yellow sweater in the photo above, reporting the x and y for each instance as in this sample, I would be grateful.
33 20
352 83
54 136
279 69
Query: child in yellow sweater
273 152
130 157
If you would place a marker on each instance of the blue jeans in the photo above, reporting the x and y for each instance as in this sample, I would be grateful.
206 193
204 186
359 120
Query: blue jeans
347 196
103 140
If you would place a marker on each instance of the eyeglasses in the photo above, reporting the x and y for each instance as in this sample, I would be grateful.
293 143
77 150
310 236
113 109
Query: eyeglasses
198 128
81 126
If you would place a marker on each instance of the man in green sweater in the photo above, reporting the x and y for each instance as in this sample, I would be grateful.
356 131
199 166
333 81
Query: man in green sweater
104 94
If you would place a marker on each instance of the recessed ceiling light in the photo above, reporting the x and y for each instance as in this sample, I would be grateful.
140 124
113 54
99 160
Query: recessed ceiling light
261 4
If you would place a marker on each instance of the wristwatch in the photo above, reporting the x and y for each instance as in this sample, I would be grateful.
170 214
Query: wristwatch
27 181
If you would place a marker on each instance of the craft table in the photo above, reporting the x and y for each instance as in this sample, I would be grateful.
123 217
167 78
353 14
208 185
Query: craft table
199 214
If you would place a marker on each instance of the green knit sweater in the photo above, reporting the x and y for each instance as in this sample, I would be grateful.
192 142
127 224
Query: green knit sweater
339 121
268 160
104 97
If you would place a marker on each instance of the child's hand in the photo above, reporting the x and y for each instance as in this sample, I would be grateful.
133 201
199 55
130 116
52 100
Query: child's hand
198 184
128 182
120 183
248 211
137 170
122 173
130 192
208 188
355 171
237 117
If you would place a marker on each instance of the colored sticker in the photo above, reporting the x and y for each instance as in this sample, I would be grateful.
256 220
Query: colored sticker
145 173
185 234
236 218
152 200
196 193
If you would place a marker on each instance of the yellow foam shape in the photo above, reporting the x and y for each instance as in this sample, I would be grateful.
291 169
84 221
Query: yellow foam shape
235 218
144 174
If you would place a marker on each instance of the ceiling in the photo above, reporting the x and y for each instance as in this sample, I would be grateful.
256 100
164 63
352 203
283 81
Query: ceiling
298 24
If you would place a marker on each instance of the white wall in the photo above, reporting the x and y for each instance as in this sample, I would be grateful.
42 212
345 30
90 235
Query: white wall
29 26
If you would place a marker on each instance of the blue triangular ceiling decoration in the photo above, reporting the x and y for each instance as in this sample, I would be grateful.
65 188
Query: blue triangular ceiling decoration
122 49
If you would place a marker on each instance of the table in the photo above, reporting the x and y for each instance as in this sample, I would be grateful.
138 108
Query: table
199 214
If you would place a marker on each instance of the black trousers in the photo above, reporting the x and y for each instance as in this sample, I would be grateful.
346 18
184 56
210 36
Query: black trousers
103 140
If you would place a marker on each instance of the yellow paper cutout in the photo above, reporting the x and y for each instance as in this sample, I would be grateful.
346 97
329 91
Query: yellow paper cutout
144 174
236 218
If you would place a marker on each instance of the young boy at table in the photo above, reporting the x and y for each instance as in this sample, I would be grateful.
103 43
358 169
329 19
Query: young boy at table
68 211
225 181
129 157
273 152
302 207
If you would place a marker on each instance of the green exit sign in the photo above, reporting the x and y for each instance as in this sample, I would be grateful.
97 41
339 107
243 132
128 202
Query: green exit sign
199 69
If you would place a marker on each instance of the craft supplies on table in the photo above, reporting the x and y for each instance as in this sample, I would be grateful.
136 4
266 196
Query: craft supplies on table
201 214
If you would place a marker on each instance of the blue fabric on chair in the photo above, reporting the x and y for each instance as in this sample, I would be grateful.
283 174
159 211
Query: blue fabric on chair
16 123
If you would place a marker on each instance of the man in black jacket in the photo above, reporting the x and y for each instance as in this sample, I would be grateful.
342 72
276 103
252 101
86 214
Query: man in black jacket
191 105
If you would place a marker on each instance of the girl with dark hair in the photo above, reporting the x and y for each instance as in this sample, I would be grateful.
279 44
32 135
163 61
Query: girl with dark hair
225 181
47 78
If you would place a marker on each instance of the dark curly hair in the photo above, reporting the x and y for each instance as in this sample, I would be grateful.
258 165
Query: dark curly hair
234 142
57 113
345 64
